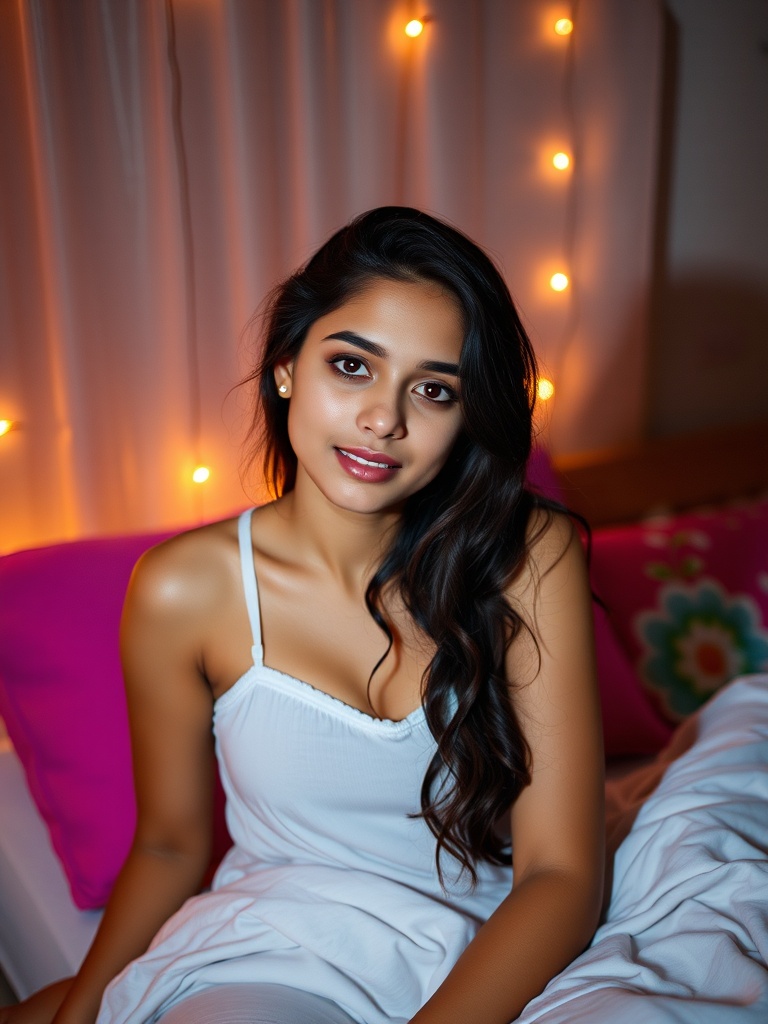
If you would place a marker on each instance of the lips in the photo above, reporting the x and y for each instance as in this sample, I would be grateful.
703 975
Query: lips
366 465
365 457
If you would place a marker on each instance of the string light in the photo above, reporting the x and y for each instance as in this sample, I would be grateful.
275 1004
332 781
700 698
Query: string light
561 161
558 282
545 389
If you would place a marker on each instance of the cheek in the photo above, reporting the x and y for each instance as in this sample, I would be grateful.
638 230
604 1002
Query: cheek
313 407
442 438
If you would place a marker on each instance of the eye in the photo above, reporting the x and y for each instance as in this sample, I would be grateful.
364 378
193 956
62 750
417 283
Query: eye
349 366
436 392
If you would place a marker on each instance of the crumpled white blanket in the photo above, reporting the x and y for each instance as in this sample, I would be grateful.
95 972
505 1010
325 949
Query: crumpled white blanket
685 937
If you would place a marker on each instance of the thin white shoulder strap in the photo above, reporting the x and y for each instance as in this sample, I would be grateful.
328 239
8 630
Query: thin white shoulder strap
249 583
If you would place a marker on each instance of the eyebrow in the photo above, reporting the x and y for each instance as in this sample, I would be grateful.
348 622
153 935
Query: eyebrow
433 365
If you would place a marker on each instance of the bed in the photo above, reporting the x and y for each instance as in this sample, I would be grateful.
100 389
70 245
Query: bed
43 936
684 936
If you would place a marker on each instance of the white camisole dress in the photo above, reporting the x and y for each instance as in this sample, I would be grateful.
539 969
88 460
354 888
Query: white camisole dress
331 885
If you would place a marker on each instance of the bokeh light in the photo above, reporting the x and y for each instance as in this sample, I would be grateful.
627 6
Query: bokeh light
545 389
561 161
558 282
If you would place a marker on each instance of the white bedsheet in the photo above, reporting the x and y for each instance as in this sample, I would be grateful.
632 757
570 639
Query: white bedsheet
685 939
43 936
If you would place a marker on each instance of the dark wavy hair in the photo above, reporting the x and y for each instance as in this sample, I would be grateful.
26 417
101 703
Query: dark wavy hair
462 538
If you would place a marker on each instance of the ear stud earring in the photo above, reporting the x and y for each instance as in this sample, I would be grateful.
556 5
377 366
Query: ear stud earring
282 389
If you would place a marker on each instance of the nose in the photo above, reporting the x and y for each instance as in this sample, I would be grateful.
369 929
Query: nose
382 414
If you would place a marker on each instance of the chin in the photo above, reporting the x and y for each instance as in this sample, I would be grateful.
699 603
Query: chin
366 504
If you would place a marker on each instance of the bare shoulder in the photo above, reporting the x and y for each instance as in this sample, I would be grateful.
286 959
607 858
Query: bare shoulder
553 598
555 557
186 573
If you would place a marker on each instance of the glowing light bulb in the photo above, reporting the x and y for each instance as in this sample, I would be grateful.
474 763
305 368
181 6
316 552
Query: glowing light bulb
558 282
545 389
563 26
414 28
561 161
5 426
201 474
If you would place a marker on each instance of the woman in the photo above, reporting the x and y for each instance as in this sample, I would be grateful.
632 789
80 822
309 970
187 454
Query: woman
406 691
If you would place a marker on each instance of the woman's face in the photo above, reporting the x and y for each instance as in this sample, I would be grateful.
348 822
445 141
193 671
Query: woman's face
374 395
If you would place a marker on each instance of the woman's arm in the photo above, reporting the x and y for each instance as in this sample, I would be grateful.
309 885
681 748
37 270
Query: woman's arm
170 707
557 822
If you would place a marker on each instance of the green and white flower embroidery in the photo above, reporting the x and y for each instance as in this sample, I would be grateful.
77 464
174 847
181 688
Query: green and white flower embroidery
698 639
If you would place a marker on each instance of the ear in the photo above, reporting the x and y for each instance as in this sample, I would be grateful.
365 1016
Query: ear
284 378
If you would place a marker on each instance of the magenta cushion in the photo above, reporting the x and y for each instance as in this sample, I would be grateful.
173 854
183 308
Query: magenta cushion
61 695
541 476
688 596
631 724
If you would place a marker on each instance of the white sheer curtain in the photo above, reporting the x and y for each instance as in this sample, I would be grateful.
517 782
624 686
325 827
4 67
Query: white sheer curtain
165 163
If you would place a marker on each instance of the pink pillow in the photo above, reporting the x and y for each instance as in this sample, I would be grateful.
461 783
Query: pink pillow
61 695
630 724
688 596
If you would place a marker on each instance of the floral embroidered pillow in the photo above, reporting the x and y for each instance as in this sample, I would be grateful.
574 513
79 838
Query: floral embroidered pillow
688 597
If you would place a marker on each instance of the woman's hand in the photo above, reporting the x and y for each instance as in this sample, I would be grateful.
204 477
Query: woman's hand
40 1008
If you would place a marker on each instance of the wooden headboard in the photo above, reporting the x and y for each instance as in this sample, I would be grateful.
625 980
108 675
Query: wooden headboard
618 485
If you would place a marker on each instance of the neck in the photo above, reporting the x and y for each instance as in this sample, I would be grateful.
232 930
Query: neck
347 544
